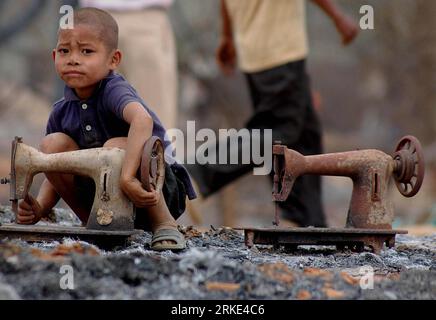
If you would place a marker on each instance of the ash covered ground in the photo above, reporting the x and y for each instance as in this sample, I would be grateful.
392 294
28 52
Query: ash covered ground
216 265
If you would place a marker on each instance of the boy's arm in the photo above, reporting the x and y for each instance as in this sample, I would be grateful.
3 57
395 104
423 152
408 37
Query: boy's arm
345 25
226 52
30 211
47 197
141 128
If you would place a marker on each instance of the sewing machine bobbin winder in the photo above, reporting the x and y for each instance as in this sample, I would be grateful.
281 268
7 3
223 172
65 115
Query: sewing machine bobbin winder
111 220
370 215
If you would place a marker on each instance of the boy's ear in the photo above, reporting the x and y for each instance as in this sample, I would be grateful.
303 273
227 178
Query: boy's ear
53 53
116 59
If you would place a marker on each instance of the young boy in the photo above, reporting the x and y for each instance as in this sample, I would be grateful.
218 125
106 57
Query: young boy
101 109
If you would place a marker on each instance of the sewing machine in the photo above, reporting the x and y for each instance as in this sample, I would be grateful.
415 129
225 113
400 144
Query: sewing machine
111 219
370 214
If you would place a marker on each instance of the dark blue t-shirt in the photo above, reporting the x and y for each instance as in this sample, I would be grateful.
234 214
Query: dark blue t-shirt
90 123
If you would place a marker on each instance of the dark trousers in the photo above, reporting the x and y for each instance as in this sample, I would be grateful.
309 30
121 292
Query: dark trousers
282 102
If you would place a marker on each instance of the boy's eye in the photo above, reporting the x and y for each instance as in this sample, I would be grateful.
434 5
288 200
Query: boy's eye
87 51
62 50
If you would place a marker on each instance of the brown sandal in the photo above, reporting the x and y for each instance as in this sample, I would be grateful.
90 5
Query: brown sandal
168 235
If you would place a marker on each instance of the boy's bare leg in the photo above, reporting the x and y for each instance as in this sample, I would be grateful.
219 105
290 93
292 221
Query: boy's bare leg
64 183
159 215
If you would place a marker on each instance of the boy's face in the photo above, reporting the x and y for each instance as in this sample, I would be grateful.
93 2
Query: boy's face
82 59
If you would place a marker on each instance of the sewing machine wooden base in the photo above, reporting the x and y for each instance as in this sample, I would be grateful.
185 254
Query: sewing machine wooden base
353 239
104 239
111 219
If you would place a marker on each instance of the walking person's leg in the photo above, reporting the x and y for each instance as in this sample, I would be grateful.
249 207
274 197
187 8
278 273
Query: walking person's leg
282 102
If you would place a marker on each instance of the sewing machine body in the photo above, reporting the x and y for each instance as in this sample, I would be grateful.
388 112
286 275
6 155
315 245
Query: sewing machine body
112 213
111 209
370 214
370 171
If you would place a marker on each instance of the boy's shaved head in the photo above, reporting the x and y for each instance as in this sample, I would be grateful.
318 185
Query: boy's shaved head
101 22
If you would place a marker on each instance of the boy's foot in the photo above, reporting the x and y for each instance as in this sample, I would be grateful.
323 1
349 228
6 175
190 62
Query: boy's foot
168 239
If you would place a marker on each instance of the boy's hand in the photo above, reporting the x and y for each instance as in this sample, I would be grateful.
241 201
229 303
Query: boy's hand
29 211
347 28
226 55
132 187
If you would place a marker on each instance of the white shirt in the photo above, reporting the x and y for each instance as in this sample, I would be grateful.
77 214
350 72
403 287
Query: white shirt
125 5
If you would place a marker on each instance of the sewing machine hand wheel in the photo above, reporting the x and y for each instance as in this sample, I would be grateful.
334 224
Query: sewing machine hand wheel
409 166
153 165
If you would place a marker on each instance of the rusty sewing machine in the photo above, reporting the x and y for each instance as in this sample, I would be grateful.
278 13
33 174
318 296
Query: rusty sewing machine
111 220
370 214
